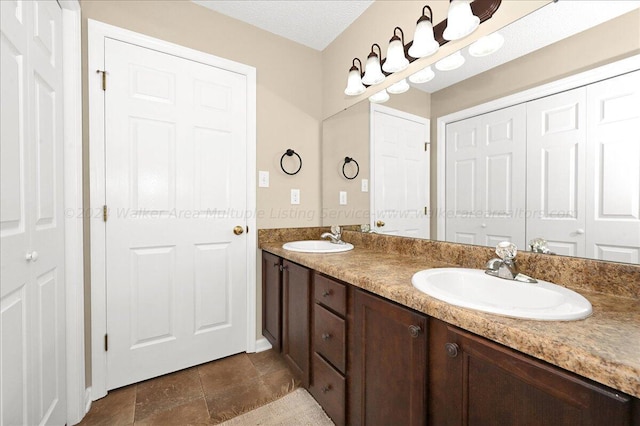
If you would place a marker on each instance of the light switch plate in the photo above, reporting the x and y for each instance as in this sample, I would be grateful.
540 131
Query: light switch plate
365 185
263 179
343 198
295 196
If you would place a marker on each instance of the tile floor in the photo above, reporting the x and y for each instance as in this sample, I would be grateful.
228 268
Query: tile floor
206 394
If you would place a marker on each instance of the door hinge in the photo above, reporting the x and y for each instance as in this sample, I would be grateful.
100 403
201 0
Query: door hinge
104 79
425 210
426 146
105 213
106 342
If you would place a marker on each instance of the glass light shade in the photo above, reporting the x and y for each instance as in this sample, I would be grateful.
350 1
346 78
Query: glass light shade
354 84
396 61
372 72
460 20
399 87
486 45
380 97
451 62
424 44
422 76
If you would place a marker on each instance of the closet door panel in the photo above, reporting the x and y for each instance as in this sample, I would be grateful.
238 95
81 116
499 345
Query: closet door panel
556 135
613 169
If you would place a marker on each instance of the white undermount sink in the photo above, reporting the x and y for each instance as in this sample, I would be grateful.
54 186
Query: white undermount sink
473 289
317 246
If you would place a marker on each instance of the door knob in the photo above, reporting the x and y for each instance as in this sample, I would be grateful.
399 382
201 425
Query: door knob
238 230
379 223
32 257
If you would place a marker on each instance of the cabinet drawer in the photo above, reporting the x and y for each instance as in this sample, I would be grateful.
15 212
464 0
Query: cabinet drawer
331 294
329 389
329 336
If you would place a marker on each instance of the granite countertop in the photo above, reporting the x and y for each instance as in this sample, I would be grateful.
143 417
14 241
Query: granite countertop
604 347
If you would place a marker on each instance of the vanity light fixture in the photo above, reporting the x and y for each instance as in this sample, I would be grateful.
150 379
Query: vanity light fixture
396 59
380 97
486 45
460 20
372 72
423 76
354 82
399 87
451 62
424 43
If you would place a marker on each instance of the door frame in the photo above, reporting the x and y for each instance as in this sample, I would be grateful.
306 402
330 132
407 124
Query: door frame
78 401
97 33
373 108
610 70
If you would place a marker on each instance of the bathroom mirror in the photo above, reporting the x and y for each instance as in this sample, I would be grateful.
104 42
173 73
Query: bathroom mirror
611 36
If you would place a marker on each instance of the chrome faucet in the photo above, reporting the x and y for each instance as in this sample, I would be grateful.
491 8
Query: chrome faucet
335 235
505 265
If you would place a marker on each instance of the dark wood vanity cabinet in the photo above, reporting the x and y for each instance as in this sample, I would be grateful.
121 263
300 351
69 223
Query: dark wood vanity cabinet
329 346
296 297
474 381
388 363
272 299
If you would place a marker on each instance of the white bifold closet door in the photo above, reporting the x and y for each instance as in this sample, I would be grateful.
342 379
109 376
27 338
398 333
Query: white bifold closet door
32 281
485 174
613 169
556 152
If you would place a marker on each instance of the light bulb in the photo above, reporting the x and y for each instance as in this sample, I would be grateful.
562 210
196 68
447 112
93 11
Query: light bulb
399 87
423 76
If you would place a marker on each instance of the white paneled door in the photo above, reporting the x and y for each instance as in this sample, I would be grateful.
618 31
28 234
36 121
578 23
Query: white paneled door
175 191
400 173
556 149
32 310
485 174
613 169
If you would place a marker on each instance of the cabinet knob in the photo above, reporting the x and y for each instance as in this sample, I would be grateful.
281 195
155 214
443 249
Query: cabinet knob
451 349
326 293
380 224
32 257
580 231
414 330
326 336
326 389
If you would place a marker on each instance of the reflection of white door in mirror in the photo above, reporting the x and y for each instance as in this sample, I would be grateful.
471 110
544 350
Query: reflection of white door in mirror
582 173
556 145
613 169
399 172
485 169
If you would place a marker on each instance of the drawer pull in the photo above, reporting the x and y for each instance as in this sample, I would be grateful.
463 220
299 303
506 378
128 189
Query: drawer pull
326 389
451 349
326 293
326 336
414 330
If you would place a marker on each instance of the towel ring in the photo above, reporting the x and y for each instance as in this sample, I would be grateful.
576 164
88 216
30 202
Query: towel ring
290 153
348 160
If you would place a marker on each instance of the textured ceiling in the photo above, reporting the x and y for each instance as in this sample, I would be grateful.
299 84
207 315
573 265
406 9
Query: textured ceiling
310 22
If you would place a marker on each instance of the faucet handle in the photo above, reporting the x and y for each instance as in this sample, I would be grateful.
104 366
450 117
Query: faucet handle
506 250
335 230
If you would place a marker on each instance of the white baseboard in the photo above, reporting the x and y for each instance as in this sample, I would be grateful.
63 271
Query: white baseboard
87 399
262 345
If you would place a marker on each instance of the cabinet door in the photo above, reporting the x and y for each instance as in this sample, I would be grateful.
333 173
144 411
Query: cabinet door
388 363
296 285
272 299
474 381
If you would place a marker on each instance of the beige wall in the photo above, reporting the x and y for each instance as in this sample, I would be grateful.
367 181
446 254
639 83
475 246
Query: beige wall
608 42
288 101
376 25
